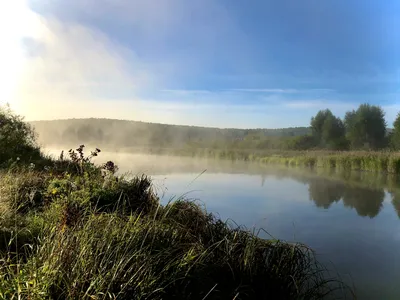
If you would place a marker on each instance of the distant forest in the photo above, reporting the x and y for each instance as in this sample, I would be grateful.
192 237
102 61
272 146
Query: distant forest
121 133
364 128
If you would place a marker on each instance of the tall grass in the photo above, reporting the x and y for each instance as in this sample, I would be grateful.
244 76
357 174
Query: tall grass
89 236
346 160
139 258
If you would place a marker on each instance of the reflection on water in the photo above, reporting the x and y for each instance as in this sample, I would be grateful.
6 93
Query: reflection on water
395 193
362 191
325 192
366 201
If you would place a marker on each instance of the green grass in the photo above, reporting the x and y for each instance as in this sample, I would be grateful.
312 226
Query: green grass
86 236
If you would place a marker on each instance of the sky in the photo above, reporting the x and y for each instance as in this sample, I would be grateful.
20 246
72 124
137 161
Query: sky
217 63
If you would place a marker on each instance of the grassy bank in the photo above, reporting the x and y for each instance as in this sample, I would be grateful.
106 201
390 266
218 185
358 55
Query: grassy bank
358 161
78 231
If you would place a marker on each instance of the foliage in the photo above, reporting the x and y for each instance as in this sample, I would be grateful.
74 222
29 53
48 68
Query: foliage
328 130
300 143
317 123
17 139
366 127
395 137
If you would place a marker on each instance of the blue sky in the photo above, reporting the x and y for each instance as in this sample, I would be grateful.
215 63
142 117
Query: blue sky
224 63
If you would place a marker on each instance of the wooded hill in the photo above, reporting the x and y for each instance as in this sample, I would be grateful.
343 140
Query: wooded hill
121 133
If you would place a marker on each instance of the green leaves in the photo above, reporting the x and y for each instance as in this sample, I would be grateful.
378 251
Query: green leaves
366 127
17 138
328 130
395 138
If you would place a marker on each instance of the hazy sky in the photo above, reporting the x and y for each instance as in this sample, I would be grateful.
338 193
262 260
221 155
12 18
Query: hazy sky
225 63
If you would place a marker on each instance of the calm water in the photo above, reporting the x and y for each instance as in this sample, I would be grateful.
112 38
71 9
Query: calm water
351 220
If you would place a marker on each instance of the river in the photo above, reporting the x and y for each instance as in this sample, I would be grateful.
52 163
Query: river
350 219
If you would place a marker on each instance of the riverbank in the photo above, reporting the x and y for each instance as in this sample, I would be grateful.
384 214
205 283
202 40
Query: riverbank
384 161
78 231
344 160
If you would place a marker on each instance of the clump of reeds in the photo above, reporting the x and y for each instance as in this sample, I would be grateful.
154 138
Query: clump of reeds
111 256
388 162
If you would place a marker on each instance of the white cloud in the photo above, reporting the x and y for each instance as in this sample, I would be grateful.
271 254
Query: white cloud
72 70
74 67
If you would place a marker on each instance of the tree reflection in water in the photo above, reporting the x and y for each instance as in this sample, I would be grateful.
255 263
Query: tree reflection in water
395 194
367 201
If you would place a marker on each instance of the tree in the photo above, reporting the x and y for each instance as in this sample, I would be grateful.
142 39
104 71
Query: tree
333 133
328 130
317 123
366 127
352 133
17 138
395 139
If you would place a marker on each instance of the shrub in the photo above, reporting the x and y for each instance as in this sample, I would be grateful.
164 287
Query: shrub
17 139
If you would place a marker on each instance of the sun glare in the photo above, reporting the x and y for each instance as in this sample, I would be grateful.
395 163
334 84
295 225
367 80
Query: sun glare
17 22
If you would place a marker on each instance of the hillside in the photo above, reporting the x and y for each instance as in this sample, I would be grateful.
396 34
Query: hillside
121 133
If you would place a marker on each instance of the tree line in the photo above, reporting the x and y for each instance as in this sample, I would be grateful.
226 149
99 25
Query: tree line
364 128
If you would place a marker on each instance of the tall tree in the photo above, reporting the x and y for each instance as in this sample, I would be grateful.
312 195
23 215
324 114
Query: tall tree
366 127
352 129
333 133
395 139
328 130
317 123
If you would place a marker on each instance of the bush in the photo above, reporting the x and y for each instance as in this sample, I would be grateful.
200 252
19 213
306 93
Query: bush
17 139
